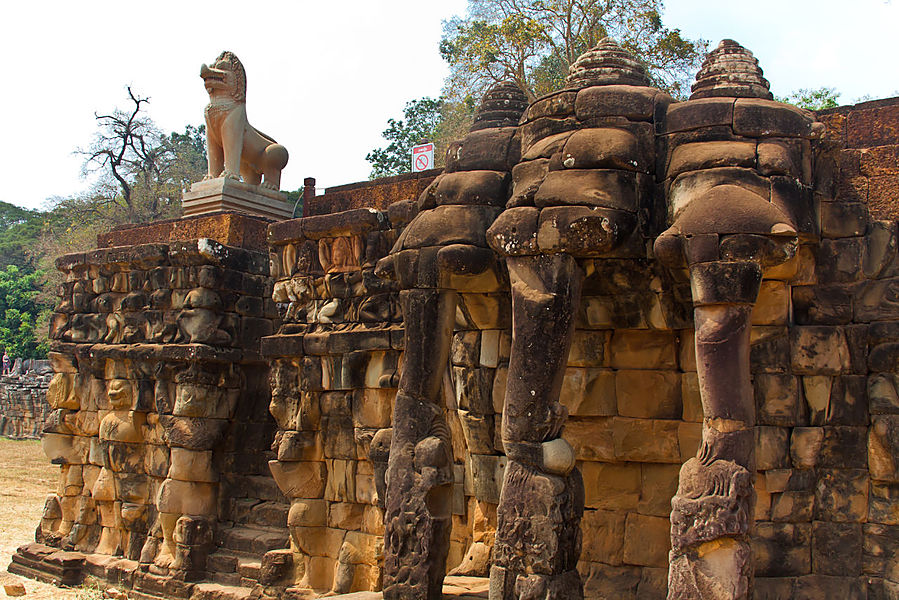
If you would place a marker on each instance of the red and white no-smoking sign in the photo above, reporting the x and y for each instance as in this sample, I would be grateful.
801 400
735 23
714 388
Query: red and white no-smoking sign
422 157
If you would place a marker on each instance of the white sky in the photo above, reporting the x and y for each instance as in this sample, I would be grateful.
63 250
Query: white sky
324 77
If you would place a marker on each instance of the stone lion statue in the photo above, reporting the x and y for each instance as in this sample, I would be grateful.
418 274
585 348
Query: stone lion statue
234 147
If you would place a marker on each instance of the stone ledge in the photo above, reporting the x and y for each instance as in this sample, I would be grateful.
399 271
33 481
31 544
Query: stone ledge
229 228
224 194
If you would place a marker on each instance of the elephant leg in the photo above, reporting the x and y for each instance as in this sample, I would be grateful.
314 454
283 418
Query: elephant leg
419 469
542 500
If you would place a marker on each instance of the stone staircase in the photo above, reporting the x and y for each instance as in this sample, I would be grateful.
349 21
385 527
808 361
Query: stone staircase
240 548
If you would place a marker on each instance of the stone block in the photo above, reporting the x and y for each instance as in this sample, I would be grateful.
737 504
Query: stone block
308 512
691 398
590 349
793 506
778 401
473 388
765 118
785 157
373 408
648 394
646 540
841 495
782 549
883 445
689 436
345 515
883 393
591 439
772 588
772 447
185 497
773 304
822 304
658 486
466 348
605 581
644 349
880 550
299 479
879 253
589 392
607 148
341 480
843 219
839 260
603 535
709 155
645 440
805 446
494 347
819 350
836 548
812 587
611 486
192 465
769 349
843 448
484 477
882 502
478 432
695 114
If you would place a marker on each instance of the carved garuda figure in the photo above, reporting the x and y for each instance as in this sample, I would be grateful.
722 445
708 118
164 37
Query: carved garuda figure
233 146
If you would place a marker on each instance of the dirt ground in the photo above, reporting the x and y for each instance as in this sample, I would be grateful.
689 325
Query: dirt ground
26 477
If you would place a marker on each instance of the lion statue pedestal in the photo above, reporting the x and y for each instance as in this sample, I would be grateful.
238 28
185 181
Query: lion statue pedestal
226 194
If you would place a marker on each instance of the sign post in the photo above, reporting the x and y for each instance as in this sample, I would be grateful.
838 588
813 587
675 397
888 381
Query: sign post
422 157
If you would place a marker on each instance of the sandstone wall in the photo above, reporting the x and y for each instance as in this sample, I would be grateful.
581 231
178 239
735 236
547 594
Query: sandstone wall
160 415
823 363
160 341
23 404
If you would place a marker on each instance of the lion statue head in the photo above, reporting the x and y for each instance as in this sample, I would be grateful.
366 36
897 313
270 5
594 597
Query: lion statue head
226 74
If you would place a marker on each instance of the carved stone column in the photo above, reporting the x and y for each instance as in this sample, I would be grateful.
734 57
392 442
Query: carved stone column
712 512
538 537
738 176
441 252
419 473
581 193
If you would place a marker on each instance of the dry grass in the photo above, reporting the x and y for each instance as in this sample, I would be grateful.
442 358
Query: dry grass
26 477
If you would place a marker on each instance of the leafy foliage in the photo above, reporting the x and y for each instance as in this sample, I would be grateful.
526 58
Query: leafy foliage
813 99
534 41
20 312
19 229
424 120
419 124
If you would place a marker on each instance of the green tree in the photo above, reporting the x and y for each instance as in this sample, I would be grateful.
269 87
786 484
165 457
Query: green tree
20 312
19 230
813 99
424 120
419 124
534 41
